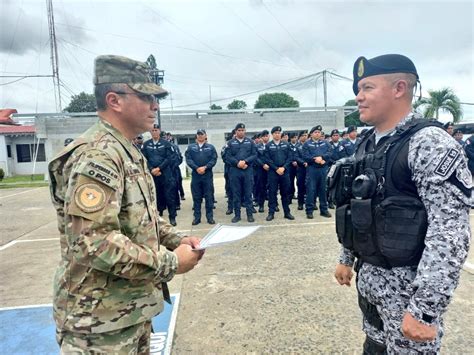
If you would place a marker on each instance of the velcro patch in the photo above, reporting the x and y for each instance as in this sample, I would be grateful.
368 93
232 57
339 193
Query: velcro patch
447 162
101 173
90 197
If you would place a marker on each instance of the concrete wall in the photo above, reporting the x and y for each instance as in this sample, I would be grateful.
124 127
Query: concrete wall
4 156
55 129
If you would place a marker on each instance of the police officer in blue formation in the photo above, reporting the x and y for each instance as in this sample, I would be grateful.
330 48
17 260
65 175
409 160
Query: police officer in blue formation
317 153
352 140
227 186
278 157
201 158
406 218
240 155
301 171
160 154
262 171
293 142
256 139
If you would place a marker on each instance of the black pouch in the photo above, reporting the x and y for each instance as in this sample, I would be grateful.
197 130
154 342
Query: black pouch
362 214
344 229
401 223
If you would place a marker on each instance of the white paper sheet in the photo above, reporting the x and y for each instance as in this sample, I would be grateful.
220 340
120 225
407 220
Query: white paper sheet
222 234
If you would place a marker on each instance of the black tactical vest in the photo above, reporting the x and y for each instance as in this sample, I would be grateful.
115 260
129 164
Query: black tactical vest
382 219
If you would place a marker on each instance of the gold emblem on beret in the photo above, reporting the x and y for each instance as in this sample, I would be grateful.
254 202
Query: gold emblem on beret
90 198
360 70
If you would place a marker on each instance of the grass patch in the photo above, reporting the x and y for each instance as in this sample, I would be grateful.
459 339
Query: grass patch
22 178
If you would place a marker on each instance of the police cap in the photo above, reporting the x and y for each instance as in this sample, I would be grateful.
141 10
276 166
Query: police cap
456 131
264 133
292 135
448 124
315 128
334 131
302 133
351 129
239 126
115 69
201 131
383 64
276 129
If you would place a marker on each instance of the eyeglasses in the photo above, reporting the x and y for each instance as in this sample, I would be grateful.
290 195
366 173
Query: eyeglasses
151 99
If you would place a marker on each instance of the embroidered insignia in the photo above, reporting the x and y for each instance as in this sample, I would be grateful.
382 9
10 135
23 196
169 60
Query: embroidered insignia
90 198
360 70
447 162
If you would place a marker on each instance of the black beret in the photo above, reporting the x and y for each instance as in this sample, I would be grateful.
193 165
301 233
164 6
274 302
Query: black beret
275 129
315 128
456 131
351 129
239 126
334 131
201 131
383 64
139 137
292 135
67 141
302 132
264 133
447 124
156 126
284 133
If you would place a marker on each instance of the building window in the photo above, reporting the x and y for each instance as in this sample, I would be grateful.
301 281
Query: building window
9 151
26 152
186 140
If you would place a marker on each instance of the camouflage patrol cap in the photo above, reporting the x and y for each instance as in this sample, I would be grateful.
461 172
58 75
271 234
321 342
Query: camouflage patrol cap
114 69
383 64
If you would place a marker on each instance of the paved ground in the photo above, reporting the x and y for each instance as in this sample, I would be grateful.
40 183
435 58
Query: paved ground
273 292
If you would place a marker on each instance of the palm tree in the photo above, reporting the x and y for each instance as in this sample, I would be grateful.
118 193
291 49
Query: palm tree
444 100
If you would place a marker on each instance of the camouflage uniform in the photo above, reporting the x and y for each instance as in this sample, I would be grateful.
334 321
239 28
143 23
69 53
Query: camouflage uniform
112 275
428 287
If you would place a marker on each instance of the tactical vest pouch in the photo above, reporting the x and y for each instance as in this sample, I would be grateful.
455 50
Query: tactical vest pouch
344 228
361 216
401 223
340 178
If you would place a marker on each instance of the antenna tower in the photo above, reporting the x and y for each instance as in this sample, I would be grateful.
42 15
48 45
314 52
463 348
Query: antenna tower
54 55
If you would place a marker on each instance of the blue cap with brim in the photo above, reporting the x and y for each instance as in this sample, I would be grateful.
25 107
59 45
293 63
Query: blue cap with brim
384 64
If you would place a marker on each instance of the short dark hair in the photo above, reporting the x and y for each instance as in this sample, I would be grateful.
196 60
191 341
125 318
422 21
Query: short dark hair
101 90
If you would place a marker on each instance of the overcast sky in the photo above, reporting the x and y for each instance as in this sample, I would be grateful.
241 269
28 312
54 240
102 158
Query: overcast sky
233 47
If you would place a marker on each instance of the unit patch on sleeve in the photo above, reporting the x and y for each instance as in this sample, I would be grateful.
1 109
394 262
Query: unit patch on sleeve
447 162
90 197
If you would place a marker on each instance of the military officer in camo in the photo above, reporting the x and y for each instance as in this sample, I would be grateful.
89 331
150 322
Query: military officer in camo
116 252
408 224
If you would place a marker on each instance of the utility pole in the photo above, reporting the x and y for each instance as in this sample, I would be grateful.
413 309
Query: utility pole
325 87
210 97
54 55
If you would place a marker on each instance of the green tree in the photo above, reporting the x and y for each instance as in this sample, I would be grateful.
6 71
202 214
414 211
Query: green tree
441 100
215 107
82 103
353 119
276 100
237 105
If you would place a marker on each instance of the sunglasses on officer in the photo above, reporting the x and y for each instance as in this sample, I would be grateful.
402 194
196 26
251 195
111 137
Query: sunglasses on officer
151 99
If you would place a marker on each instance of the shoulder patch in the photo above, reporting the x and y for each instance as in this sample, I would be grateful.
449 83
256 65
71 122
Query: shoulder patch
447 162
90 197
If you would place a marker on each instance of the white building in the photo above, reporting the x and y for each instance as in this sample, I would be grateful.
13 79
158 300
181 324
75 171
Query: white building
18 149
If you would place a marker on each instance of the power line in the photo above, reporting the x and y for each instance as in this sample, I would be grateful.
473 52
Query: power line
252 92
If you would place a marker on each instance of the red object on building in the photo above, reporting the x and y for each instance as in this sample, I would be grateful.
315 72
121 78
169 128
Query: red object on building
5 116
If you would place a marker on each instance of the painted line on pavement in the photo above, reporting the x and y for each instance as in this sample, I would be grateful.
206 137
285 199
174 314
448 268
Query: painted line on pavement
469 267
19 193
13 242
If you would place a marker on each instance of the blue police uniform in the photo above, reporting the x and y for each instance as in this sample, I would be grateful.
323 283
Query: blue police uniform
160 154
340 150
227 186
202 185
262 176
350 146
177 160
293 170
241 180
316 174
278 155
300 175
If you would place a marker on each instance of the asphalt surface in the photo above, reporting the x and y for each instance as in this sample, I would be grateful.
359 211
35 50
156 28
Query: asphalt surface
270 293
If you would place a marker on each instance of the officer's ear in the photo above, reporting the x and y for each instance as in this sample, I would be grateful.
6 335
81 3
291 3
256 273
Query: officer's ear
400 88
114 101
